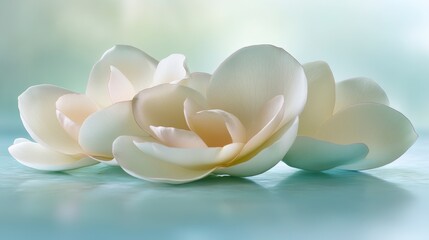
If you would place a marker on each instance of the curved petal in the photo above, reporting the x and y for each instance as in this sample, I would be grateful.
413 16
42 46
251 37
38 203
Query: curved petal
143 166
266 156
39 157
270 118
120 88
252 76
134 64
38 113
72 110
174 137
198 81
321 97
358 90
170 69
386 132
317 155
162 105
101 128
193 158
215 127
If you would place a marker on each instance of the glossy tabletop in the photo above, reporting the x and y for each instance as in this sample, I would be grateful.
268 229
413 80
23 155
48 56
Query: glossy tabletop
101 201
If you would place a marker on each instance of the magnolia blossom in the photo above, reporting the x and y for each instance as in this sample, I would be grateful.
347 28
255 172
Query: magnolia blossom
347 125
62 123
240 122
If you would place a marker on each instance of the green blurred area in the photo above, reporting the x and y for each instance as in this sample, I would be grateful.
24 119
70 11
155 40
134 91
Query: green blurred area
57 42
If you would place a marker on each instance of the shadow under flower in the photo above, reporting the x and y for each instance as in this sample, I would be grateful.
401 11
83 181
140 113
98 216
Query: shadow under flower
339 204
108 201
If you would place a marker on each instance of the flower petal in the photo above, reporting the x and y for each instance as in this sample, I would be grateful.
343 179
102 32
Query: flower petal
38 113
72 110
174 137
198 81
101 128
194 158
170 69
317 155
321 97
253 75
215 127
162 105
36 156
269 120
143 166
267 155
358 90
134 64
386 132
120 88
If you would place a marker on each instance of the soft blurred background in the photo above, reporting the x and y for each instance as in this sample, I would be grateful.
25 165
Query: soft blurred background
58 41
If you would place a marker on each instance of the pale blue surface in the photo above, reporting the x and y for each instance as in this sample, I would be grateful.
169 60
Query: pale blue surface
391 202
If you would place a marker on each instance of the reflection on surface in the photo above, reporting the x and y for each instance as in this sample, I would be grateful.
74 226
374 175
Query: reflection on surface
350 203
104 199
105 202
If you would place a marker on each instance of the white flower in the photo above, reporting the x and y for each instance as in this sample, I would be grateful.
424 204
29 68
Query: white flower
239 122
59 120
347 125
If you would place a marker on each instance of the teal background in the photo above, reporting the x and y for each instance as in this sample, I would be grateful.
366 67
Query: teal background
57 42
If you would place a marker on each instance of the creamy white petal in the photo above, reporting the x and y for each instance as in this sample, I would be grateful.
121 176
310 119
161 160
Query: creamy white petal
198 81
269 121
321 97
317 155
194 158
37 107
39 157
120 88
216 127
267 155
72 110
386 132
170 69
101 128
174 137
358 90
162 105
144 166
134 64
20 140
253 75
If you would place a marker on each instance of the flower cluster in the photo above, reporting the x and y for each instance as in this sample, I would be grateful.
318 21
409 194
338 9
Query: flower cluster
160 122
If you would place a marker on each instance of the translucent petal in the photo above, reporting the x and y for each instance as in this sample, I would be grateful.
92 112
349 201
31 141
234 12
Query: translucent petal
134 64
268 121
72 110
321 97
317 155
170 69
267 155
144 166
39 157
194 158
174 137
37 107
386 132
216 127
120 88
162 105
252 76
101 128
198 81
359 90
